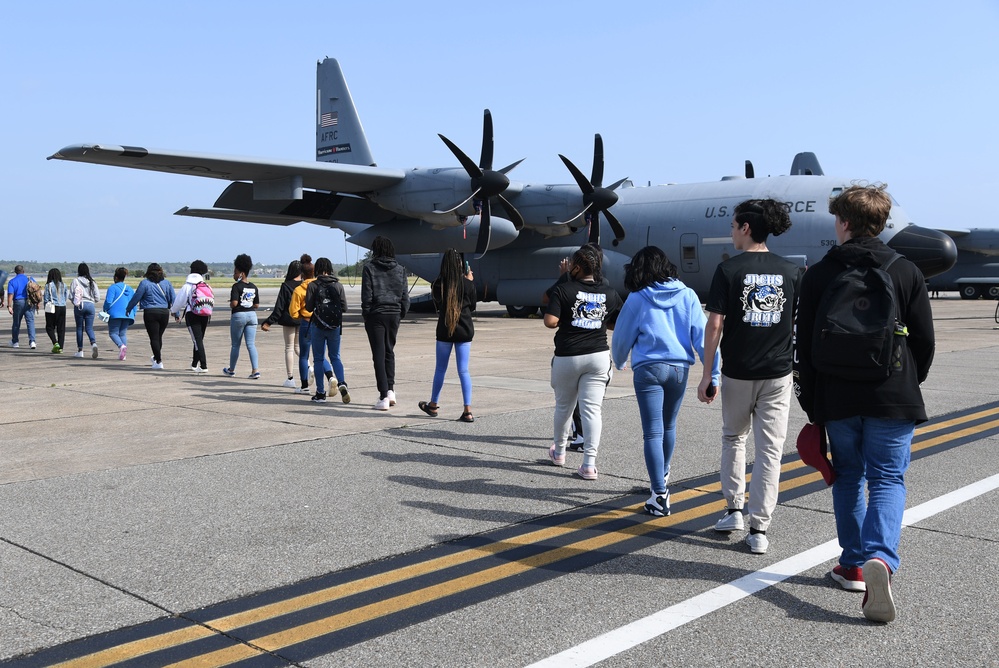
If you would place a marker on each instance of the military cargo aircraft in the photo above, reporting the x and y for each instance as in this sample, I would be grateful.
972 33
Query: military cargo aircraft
514 233
976 273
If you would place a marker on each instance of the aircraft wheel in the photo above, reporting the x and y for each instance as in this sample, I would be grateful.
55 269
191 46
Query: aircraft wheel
521 311
970 292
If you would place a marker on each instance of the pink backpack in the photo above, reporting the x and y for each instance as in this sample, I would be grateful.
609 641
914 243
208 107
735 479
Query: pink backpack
202 299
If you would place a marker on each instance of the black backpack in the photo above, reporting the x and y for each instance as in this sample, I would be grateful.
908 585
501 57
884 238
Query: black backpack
328 313
858 335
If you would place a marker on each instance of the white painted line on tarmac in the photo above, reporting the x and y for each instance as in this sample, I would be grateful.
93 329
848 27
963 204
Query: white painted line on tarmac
624 638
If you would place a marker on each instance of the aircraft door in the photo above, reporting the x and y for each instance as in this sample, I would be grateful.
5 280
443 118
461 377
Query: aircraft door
688 253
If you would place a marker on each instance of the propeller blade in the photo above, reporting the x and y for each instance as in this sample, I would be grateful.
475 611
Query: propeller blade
614 186
577 216
482 243
750 172
598 161
486 158
581 181
466 162
615 226
512 213
510 166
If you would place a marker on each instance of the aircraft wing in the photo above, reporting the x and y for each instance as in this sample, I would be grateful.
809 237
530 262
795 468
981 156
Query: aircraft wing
330 176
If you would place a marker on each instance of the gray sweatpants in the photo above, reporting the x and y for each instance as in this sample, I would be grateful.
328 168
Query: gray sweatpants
582 379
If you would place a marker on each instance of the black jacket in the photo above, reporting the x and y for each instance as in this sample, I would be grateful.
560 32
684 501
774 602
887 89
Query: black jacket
825 397
279 314
384 288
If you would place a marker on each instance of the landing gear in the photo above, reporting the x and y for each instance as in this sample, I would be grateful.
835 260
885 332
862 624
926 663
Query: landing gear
521 311
971 291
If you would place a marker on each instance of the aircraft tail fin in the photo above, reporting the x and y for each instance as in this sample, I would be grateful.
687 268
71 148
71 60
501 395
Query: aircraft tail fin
806 163
339 135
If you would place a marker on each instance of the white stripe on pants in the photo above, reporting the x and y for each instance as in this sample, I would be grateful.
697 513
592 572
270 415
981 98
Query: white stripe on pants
763 405
582 379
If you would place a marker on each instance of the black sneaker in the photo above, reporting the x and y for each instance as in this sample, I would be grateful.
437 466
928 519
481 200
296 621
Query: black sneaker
319 397
344 394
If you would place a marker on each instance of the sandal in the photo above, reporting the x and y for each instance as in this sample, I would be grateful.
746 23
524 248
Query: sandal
466 417
428 409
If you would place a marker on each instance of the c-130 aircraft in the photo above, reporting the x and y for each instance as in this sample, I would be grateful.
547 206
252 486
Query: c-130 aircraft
515 234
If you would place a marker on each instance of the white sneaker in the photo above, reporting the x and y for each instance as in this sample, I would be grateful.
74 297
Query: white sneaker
391 397
730 522
157 365
93 350
382 404
79 354
289 383
15 344
32 345
302 390
758 543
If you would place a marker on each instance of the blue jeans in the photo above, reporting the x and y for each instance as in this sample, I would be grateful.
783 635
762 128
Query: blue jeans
323 340
22 310
659 388
304 349
84 316
118 330
461 353
877 450
243 324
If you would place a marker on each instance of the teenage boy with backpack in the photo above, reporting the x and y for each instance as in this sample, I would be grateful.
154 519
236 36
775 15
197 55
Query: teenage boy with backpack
869 422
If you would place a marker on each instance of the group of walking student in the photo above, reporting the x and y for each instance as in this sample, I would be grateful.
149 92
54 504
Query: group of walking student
765 331
751 358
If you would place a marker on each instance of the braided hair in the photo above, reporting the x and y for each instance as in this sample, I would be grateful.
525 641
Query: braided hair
449 285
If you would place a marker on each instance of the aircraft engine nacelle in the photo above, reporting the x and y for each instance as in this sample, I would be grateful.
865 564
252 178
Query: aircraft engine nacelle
428 194
412 237
546 208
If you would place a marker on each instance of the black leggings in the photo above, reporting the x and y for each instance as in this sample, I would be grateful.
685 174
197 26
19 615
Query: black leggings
55 326
196 325
156 321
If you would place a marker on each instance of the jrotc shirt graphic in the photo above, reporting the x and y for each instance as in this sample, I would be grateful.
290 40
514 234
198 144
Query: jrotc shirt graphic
589 310
763 299
757 293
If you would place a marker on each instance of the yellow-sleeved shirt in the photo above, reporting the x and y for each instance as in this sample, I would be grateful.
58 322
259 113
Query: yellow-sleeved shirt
297 308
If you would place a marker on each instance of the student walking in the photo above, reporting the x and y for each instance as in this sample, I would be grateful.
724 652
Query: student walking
662 326
869 421
55 298
580 309
454 296
327 301
194 302
85 293
384 303
244 298
751 308
115 302
281 315
155 295
298 312
20 307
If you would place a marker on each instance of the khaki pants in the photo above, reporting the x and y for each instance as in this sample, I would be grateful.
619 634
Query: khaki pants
762 405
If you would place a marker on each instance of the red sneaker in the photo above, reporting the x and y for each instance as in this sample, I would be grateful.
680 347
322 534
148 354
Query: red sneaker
850 578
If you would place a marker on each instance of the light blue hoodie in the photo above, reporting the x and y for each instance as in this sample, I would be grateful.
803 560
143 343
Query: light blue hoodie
663 322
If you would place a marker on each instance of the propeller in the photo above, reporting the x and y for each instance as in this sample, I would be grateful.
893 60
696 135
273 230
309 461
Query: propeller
596 198
750 172
486 184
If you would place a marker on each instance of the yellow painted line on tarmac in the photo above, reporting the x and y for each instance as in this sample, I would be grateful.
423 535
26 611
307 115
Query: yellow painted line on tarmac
403 602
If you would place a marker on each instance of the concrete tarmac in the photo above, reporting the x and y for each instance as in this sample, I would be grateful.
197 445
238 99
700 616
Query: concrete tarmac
133 499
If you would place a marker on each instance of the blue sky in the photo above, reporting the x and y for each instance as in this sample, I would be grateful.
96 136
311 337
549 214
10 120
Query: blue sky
899 92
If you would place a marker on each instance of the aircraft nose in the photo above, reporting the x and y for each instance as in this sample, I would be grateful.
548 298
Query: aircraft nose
931 250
